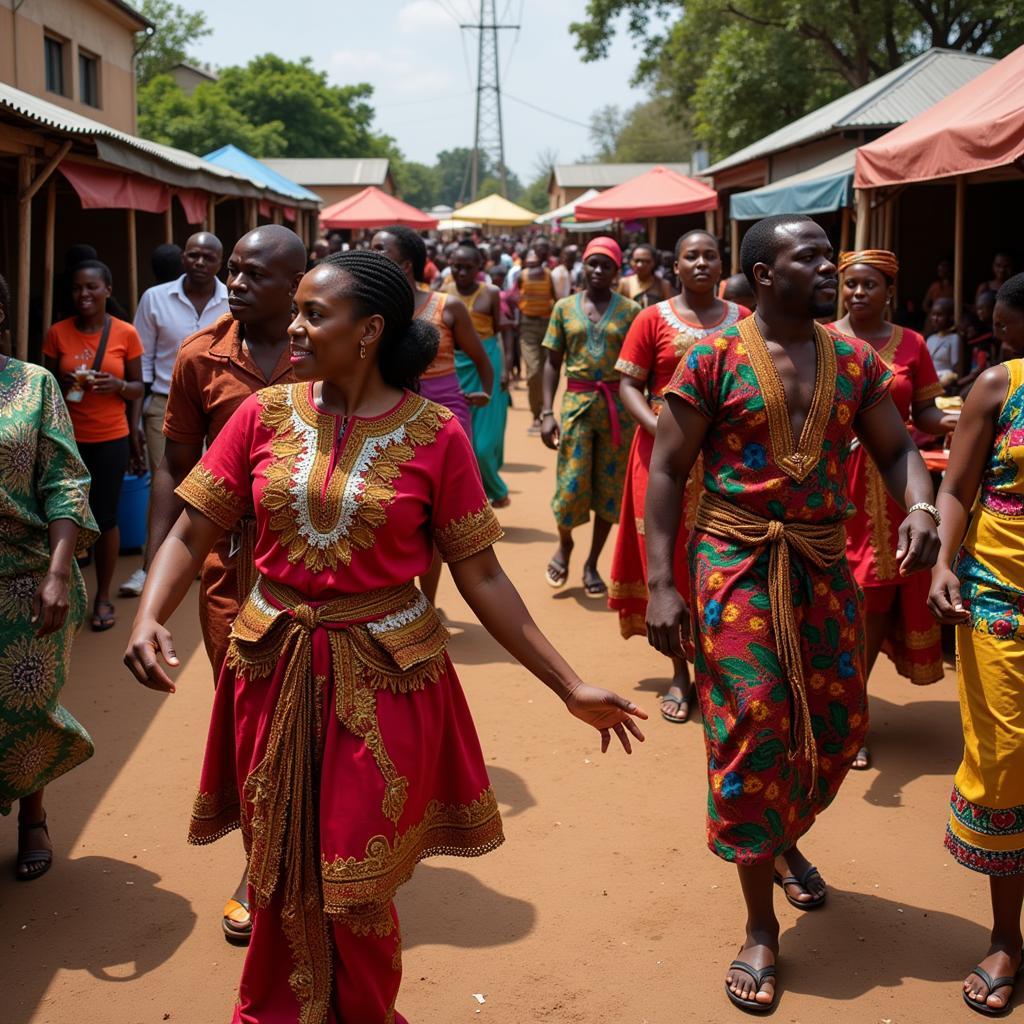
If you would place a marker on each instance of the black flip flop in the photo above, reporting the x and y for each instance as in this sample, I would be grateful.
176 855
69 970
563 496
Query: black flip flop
102 621
812 904
31 858
994 984
679 702
596 588
759 977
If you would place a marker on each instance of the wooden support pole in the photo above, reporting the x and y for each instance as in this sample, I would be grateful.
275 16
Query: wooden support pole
51 224
211 215
24 256
275 214
863 234
44 175
169 222
844 246
734 245
133 264
890 212
709 223
252 213
958 248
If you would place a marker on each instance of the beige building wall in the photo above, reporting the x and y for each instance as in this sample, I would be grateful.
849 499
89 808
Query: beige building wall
100 27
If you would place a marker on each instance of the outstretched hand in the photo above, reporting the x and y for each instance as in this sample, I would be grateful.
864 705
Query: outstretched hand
607 712
148 639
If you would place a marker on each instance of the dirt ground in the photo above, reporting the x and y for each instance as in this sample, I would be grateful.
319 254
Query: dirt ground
603 907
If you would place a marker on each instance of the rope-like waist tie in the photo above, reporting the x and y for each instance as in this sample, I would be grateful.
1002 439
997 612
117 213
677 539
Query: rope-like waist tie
396 630
821 544
607 389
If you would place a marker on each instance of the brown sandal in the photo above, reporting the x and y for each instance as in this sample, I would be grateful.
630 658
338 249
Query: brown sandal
36 862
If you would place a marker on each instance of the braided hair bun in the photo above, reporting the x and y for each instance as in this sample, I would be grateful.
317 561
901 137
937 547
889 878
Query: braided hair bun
380 288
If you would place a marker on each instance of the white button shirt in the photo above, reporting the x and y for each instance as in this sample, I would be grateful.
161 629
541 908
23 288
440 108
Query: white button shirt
164 319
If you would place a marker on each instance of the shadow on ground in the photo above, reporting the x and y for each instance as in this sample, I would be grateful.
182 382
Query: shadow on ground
908 741
45 929
445 906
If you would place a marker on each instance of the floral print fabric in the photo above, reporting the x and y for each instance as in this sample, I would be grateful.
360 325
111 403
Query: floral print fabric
760 800
986 825
42 478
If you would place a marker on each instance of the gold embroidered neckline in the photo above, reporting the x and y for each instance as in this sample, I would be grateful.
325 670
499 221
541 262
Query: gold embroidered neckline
795 459
322 514
891 347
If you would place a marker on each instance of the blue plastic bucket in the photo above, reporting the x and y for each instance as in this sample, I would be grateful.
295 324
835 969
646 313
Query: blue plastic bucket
132 511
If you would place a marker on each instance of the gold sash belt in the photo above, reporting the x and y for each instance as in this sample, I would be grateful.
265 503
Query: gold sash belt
821 544
386 638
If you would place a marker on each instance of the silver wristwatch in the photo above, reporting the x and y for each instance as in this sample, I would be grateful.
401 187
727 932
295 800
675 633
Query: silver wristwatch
923 506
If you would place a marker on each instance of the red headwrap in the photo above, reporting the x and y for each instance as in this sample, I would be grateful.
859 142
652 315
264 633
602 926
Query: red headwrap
604 246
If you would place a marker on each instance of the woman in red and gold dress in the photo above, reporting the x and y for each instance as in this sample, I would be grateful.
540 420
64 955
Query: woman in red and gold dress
658 338
341 742
896 616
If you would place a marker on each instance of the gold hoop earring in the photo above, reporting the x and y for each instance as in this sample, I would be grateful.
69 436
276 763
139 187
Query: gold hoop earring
362 350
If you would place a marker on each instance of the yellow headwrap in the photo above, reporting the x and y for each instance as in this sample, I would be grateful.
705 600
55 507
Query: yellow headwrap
880 259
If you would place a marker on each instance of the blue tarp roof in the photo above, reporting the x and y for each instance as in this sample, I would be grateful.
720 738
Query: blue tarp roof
821 189
235 159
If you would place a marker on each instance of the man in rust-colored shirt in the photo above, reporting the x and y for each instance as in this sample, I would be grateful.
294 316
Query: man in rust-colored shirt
216 370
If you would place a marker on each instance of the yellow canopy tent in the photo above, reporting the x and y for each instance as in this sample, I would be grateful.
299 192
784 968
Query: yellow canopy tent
495 211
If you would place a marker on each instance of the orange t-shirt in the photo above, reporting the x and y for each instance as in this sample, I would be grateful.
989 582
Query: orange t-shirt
95 417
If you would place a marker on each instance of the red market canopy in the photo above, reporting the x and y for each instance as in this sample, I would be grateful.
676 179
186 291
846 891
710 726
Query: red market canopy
659 192
373 208
980 127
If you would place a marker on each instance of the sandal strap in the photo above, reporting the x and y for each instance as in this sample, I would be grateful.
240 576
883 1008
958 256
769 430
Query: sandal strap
36 857
29 825
678 701
993 984
759 976
808 875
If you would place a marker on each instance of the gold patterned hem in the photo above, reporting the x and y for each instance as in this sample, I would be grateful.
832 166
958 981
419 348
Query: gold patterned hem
460 830
795 458
474 532
211 496
634 590
214 815
633 370
928 392
876 509
631 624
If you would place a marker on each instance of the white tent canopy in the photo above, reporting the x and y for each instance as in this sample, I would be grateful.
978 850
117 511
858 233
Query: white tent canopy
568 209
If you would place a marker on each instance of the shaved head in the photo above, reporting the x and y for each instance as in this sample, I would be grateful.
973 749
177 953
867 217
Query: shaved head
206 240
276 245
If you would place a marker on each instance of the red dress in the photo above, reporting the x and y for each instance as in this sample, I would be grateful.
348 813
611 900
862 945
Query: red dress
340 741
658 338
913 640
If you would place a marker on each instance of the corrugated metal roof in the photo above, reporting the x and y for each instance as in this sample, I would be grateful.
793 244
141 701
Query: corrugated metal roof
331 170
235 159
884 103
606 175
218 179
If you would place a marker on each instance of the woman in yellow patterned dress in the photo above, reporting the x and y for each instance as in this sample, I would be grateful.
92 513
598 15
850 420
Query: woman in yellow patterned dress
978 585
44 517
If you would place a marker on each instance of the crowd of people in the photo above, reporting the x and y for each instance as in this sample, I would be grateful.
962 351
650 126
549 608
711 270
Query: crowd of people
324 429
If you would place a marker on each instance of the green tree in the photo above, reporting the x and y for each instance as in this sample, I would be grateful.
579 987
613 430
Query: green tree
175 29
319 119
535 196
452 169
416 183
269 107
649 132
204 121
778 59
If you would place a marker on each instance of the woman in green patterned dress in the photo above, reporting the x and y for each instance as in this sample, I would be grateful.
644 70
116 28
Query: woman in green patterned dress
586 332
44 518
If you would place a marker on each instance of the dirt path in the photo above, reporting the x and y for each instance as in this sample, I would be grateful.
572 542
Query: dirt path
603 907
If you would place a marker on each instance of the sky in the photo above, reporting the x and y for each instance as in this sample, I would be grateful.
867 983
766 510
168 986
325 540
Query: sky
423 67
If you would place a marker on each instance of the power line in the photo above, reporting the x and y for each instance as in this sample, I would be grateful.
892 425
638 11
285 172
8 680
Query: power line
550 113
